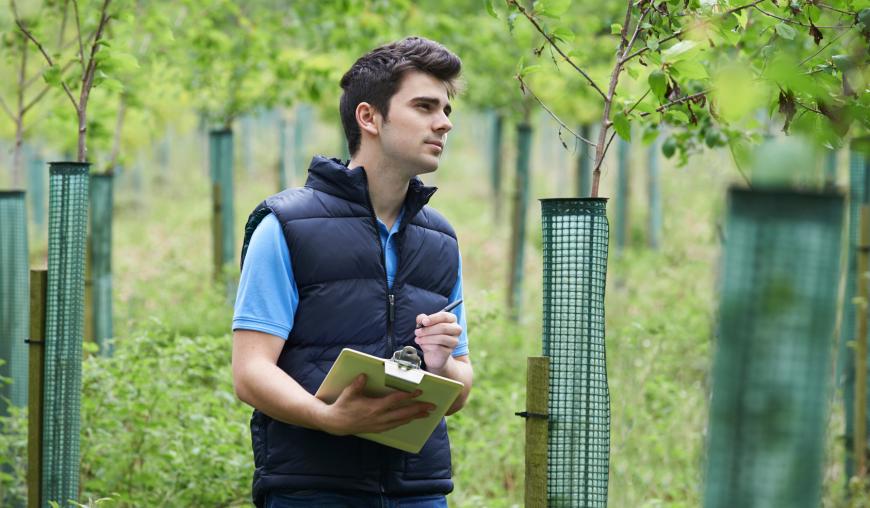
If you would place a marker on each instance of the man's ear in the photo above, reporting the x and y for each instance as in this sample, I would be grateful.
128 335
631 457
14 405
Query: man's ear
368 118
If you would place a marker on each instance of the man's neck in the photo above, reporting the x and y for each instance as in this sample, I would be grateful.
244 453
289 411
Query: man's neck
387 187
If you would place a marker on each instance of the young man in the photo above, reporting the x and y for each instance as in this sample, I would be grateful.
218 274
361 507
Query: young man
355 259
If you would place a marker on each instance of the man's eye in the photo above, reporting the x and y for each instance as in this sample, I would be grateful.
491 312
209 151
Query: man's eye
424 107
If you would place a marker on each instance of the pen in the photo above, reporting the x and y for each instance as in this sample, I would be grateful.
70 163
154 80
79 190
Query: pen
450 306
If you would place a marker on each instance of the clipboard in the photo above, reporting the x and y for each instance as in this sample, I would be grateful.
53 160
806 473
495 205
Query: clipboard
383 377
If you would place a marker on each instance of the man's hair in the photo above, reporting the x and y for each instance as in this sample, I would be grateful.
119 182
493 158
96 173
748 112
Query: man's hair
376 76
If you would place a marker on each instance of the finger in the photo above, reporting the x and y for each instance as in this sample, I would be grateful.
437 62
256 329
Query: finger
392 399
398 423
429 347
439 329
422 319
357 386
439 317
447 342
406 412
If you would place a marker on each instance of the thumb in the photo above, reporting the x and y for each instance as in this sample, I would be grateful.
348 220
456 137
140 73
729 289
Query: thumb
358 384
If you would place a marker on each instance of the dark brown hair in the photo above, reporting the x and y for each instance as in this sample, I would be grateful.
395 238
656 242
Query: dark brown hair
376 76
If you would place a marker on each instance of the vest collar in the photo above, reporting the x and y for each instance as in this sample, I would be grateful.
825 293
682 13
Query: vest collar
332 176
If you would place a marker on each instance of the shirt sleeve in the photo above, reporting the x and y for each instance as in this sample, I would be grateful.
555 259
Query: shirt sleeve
461 349
267 297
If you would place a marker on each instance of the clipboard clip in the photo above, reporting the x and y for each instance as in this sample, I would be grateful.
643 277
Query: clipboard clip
407 358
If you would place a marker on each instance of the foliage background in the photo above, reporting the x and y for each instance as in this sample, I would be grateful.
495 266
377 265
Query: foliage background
161 426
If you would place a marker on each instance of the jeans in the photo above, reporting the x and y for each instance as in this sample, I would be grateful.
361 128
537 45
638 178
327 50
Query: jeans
324 499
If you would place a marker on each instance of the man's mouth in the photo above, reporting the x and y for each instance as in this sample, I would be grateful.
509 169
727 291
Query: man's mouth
436 143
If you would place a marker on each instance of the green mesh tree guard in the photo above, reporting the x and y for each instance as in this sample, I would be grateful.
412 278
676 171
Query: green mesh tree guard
247 142
495 149
858 194
102 199
575 235
303 125
283 183
518 228
584 164
830 169
654 195
221 167
67 229
36 188
622 190
777 313
14 298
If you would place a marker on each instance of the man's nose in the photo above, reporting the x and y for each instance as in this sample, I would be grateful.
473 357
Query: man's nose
443 124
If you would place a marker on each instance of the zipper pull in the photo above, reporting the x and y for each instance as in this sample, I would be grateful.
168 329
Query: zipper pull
392 308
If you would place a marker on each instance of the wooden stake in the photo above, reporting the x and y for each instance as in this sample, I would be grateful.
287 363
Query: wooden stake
38 287
537 432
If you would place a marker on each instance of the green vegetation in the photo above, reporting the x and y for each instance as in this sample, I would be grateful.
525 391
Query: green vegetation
161 425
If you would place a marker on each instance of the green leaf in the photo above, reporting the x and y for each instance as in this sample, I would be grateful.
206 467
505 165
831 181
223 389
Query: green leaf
52 75
675 116
564 34
621 126
490 8
691 69
785 31
530 69
742 18
679 51
552 8
652 43
658 83
669 147
650 134
645 107
615 29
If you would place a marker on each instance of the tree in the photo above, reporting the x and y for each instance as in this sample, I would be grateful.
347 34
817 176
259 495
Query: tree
86 65
702 67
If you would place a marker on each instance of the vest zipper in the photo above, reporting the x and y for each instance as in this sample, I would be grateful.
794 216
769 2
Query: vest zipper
391 317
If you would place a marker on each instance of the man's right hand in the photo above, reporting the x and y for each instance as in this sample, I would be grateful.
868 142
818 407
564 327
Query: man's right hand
354 412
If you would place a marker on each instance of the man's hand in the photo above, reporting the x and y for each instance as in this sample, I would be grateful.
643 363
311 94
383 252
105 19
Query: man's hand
354 412
438 338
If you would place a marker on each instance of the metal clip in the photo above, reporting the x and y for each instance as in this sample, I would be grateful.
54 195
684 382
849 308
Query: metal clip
407 358
526 414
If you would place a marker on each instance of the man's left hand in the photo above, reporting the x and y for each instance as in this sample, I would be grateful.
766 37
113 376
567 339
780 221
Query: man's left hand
438 338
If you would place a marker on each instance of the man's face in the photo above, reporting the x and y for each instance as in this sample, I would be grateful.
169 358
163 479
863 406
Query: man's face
415 133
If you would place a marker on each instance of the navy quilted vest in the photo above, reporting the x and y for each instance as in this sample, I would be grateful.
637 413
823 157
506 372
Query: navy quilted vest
331 231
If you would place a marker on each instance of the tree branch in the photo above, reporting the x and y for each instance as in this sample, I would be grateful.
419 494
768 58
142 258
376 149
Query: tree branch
637 103
47 58
738 9
636 31
793 22
553 115
79 35
36 99
88 76
645 48
6 109
680 32
681 100
555 46
835 39
828 7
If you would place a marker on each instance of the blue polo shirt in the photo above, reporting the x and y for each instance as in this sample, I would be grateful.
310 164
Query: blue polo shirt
268 297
